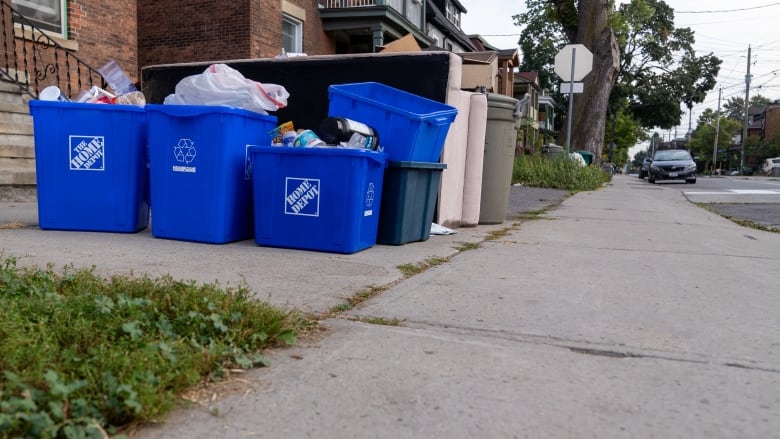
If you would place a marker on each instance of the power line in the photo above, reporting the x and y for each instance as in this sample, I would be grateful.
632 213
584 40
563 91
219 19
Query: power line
726 10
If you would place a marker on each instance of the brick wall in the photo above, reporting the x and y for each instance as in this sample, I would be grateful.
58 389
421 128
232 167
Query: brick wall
105 30
180 31
177 31
139 33
315 41
772 127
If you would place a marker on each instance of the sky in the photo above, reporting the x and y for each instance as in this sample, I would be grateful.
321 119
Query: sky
723 27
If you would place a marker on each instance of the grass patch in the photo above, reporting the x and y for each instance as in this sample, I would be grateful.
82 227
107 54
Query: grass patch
741 222
409 270
465 246
557 173
381 321
85 356
358 298
496 234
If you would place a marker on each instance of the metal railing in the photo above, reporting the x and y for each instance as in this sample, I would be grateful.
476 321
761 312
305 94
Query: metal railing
33 60
412 10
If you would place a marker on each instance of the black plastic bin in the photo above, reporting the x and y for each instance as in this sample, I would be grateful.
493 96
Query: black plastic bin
409 194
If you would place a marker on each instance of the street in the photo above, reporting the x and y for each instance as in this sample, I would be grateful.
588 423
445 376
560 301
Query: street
754 199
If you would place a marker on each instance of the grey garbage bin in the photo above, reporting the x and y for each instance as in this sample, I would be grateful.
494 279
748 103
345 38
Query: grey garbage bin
552 151
500 139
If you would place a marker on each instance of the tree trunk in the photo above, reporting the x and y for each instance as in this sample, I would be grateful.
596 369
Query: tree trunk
590 106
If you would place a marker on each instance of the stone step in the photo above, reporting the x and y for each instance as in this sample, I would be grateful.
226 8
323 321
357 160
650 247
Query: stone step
18 193
15 123
17 145
17 171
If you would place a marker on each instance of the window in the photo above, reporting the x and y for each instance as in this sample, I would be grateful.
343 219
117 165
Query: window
453 14
49 15
291 34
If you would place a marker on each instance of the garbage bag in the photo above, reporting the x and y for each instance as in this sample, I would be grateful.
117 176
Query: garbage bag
220 84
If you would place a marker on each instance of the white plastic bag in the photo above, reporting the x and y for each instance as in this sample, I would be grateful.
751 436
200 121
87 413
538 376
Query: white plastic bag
220 84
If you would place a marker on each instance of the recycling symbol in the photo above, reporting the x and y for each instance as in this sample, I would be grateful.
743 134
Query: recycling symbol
184 151
370 195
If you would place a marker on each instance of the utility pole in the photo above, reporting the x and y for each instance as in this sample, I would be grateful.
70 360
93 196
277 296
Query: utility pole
747 108
717 132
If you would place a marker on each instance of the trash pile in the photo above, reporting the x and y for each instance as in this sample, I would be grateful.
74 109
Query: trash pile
222 85
124 91
218 168
333 132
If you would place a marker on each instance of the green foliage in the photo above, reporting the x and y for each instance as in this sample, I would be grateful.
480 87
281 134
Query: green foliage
734 108
82 355
557 173
625 132
703 136
659 68
542 37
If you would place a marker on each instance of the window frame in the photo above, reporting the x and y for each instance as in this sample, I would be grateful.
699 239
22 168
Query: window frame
297 25
48 24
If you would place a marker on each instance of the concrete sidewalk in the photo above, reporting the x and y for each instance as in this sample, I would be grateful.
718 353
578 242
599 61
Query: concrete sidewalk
618 314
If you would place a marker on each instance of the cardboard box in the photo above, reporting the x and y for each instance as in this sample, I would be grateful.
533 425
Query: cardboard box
479 70
406 43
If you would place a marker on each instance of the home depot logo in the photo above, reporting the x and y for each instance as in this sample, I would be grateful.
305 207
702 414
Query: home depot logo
302 196
87 153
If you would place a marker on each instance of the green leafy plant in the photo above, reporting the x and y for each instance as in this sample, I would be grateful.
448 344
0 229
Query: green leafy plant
557 173
84 356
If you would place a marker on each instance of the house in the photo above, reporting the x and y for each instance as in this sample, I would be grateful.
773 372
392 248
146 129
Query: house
65 42
546 118
770 122
526 85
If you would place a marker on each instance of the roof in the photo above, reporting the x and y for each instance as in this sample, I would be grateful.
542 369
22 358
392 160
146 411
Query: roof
511 55
528 76
486 57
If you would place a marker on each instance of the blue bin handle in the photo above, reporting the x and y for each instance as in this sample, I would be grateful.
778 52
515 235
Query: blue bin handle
441 119
196 110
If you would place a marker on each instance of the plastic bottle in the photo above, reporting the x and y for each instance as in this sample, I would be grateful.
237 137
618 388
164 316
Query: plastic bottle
349 133
307 139
116 78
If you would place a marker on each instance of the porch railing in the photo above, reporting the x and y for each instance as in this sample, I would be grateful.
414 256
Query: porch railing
402 6
33 60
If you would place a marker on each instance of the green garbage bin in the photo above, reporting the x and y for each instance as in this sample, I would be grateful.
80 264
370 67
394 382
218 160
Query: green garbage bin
499 158
587 155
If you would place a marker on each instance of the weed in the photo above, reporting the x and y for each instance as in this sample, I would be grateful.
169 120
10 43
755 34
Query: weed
496 234
346 306
741 222
82 354
558 173
381 321
464 246
358 298
409 270
432 262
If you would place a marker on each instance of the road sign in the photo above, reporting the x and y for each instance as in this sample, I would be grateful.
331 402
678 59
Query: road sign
577 55
571 87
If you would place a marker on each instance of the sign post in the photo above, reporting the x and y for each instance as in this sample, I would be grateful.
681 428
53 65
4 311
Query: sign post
571 68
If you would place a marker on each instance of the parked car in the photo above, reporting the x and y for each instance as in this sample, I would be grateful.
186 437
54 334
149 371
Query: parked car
770 164
672 164
645 167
